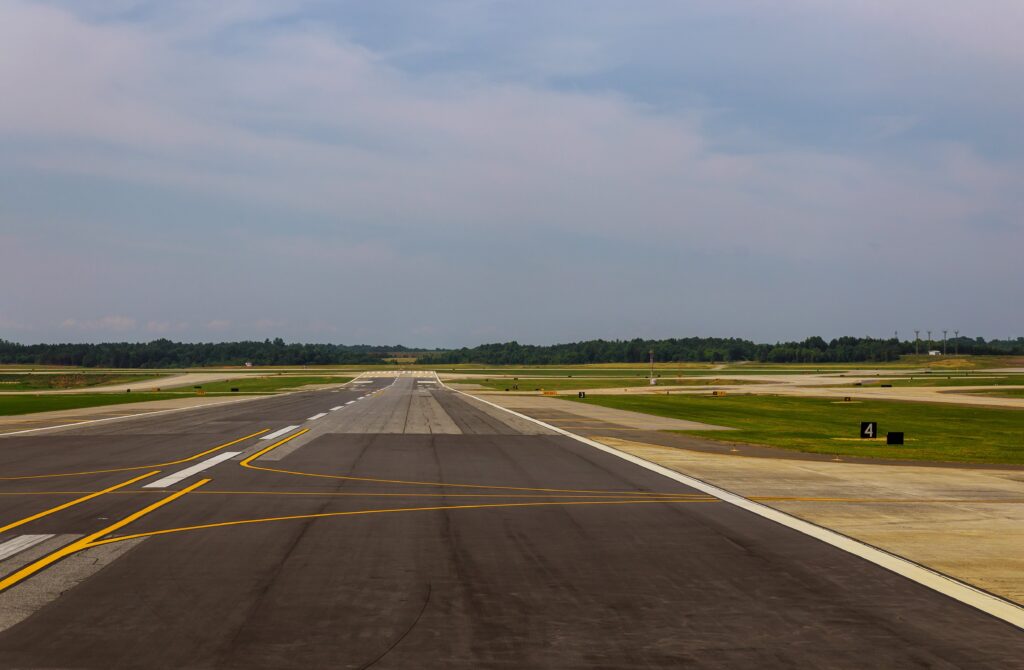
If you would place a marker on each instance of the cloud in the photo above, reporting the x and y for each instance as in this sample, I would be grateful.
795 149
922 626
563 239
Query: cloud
166 327
104 324
282 155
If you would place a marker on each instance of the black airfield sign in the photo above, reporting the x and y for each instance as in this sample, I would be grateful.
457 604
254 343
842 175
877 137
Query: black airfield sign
868 430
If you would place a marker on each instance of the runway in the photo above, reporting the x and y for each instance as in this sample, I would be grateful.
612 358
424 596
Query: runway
393 523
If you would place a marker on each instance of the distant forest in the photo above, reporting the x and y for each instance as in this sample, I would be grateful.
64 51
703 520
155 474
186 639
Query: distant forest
712 349
166 354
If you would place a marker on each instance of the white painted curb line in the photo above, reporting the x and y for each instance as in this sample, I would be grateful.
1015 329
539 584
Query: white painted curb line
986 602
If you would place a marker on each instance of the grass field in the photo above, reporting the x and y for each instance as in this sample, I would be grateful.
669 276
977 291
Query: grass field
265 384
933 432
564 384
68 380
27 404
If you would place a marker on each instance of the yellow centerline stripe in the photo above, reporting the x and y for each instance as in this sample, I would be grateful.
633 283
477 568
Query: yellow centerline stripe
322 515
247 463
72 503
90 541
141 467
248 459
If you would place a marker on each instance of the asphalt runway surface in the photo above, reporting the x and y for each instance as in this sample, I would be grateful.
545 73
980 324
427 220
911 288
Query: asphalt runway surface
396 524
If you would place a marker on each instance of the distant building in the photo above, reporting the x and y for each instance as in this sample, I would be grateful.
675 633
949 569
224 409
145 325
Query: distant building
934 352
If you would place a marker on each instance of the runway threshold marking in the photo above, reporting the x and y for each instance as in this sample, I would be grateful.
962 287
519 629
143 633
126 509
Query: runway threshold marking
989 603
76 501
92 540
140 467
172 479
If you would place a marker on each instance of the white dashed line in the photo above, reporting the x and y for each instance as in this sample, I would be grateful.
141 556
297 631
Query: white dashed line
170 480
317 416
992 604
335 409
278 433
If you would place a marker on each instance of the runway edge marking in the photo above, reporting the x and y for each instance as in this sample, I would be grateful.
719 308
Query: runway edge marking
969 595
124 417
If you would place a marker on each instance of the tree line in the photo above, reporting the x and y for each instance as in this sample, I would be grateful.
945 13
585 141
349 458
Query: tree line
164 353
713 349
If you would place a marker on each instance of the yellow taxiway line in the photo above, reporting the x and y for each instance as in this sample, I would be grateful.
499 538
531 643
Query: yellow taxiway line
91 540
248 463
323 515
72 503
368 494
140 467
596 496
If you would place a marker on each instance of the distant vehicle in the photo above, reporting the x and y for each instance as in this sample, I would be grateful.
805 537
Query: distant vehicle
934 352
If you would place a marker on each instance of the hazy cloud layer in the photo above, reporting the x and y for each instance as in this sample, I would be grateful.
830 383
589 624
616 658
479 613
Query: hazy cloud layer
448 173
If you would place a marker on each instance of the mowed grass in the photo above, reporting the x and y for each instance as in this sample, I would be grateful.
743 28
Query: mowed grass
264 384
27 404
562 384
934 432
72 380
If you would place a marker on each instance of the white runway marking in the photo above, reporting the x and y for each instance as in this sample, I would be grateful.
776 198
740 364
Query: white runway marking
335 409
131 416
278 433
350 402
1000 608
317 416
170 480
20 544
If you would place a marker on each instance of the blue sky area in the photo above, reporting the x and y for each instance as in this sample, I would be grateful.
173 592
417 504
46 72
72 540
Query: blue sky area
448 173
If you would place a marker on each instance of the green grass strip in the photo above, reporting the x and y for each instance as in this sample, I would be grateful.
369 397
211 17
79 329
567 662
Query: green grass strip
934 432
28 404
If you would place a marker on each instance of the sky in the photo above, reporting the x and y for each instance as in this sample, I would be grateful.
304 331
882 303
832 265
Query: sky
443 174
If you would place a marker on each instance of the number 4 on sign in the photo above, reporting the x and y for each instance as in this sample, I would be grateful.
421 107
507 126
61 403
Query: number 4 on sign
868 429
